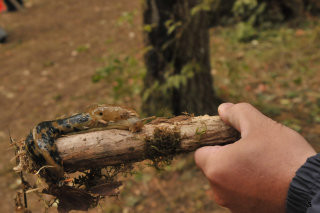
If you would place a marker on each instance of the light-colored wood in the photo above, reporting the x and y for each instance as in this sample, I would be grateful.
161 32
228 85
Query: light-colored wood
111 147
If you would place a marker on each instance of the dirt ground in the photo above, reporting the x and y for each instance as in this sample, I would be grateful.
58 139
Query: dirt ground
53 49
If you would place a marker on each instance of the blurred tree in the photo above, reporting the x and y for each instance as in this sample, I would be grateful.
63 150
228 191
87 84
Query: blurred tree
313 6
13 5
230 11
178 75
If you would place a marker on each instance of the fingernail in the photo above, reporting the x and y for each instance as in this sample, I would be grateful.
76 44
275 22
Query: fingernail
224 106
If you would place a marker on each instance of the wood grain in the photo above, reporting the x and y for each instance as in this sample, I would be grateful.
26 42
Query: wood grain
112 147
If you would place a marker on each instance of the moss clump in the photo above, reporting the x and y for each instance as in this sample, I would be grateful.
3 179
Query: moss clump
163 146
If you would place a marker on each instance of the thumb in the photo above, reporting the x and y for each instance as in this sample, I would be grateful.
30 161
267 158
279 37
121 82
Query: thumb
243 117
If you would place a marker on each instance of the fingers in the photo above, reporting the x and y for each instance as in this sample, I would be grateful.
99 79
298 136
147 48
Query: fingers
203 155
212 158
246 119
242 117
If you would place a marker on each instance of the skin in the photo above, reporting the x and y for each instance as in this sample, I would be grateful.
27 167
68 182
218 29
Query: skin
253 174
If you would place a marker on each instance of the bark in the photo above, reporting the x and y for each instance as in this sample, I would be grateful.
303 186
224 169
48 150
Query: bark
113 147
177 45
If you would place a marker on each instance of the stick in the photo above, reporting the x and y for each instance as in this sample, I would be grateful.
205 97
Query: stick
20 173
112 147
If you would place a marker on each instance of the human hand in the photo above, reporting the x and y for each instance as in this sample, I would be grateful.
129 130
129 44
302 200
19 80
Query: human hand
253 174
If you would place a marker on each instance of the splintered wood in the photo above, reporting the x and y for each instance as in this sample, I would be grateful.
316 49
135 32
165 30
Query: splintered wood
112 147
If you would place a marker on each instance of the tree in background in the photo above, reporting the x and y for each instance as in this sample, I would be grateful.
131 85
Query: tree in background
178 77
271 11
248 15
13 5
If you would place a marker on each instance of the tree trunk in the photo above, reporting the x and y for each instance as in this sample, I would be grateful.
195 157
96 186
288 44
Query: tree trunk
177 59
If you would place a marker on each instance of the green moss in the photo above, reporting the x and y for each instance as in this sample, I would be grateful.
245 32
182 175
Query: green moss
163 146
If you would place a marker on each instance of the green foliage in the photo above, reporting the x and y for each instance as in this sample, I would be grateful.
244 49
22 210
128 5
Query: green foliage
179 80
173 81
126 17
245 32
147 28
261 13
48 63
200 131
125 75
205 5
242 8
278 72
171 25
251 13
83 48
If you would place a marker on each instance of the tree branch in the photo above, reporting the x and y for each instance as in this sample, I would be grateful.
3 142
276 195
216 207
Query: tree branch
112 147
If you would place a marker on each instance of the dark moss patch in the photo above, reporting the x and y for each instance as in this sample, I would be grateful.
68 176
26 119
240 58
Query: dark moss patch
163 146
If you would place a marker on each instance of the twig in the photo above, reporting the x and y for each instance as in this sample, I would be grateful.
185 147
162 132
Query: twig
20 173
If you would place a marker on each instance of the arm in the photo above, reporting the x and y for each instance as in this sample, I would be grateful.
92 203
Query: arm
253 174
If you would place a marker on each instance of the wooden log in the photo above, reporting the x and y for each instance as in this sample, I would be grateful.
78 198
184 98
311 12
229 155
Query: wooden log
112 147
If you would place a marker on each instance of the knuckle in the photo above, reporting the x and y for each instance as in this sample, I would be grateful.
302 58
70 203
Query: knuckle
220 201
220 198
218 180
243 106
275 126
214 175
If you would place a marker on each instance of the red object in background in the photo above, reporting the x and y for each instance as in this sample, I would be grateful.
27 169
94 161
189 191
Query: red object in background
3 6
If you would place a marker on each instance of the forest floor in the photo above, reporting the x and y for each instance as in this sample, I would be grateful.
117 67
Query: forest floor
55 48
